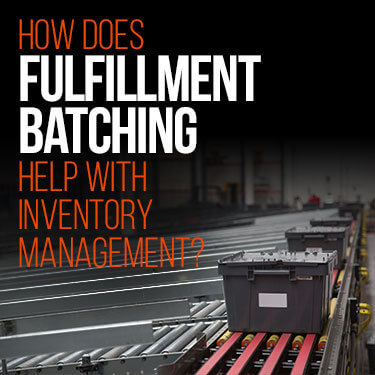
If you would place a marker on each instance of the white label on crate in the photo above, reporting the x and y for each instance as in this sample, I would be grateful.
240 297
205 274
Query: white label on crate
273 300
314 249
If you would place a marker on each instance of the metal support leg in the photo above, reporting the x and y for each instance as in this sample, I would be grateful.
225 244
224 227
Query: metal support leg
4 366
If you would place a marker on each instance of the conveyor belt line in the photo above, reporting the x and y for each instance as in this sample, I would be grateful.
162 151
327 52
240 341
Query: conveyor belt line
257 230
302 360
247 354
176 309
219 355
150 293
189 260
108 335
275 356
206 259
330 361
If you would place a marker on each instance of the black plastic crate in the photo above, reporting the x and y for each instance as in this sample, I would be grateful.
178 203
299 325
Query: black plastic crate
332 222
277 292
351 209
307 238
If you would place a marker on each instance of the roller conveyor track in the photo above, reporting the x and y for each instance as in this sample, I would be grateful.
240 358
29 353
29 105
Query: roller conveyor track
300 365
231 359
308 360
206 318
249 352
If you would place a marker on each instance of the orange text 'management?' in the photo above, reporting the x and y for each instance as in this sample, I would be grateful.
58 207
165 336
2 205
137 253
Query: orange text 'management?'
149 252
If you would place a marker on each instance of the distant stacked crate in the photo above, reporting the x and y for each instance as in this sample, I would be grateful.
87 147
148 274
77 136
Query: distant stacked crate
319 238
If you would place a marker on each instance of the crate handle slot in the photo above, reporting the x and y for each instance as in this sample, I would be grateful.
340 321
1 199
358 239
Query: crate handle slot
307 236
252 273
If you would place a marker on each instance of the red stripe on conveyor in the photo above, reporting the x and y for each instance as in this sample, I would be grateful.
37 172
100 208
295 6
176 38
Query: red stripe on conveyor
245 357
352 226
275 355
302 360
218 356
334 276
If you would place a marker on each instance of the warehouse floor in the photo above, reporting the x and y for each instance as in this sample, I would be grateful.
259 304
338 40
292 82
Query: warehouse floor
370 294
